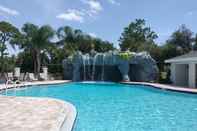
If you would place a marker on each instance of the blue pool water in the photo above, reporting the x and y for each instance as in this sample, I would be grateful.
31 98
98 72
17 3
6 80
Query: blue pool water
117 107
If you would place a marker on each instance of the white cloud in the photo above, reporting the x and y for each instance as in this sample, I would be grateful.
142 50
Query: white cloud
93 35
72 15
190 13
114 2
7 11
94 5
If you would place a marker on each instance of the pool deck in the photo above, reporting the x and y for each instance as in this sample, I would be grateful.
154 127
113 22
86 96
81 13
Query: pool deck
156 85
166 87
36 114
3 86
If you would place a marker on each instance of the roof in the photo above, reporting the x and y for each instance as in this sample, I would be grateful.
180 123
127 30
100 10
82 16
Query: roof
190 57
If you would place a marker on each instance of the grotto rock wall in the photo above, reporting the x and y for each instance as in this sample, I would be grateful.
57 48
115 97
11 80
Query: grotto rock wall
132 66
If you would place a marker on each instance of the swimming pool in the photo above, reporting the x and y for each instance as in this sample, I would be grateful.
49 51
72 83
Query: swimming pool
118 107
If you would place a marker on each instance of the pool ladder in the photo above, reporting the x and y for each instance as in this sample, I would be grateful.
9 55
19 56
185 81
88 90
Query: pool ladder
16 84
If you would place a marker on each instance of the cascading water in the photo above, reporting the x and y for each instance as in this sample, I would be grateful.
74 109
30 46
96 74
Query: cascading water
94 66
88 65
103 68
84 67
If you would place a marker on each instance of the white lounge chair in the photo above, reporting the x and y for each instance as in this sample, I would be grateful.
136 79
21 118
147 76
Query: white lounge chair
32 77
21 78
10 76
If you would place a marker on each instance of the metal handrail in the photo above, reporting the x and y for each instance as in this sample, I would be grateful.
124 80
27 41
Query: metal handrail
16 84
6 85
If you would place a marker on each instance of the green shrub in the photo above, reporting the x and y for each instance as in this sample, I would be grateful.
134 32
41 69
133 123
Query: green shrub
125 55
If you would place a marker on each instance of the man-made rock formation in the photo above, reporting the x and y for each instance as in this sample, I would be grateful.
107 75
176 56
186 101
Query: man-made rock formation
111 66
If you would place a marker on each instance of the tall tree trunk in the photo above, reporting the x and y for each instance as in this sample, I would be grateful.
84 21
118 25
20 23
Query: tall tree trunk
34 61
38 63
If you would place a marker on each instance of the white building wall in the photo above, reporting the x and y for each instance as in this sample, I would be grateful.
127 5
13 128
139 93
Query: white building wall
172 74
192 75
181 75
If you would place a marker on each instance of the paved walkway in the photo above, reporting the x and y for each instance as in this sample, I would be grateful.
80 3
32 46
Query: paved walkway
35 114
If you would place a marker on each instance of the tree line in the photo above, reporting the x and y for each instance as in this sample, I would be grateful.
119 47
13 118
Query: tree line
38 47
43 46
139 37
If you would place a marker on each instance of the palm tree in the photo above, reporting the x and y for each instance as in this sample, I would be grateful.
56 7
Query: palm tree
7 33
35 40
75 39
67 38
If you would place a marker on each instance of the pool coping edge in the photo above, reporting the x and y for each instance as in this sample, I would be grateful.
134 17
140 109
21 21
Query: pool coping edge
164 87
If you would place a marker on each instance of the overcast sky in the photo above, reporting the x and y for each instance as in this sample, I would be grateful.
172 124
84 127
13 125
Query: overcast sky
103 18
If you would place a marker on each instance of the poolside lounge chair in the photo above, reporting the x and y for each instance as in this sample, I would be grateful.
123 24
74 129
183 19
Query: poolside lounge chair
25 76
32 77
22 77
3 78
10 76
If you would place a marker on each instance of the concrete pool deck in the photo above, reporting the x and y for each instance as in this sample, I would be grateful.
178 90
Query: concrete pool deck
156 85
165 87
35 114
22 84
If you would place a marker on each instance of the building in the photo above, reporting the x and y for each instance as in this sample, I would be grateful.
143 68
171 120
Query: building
183 70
